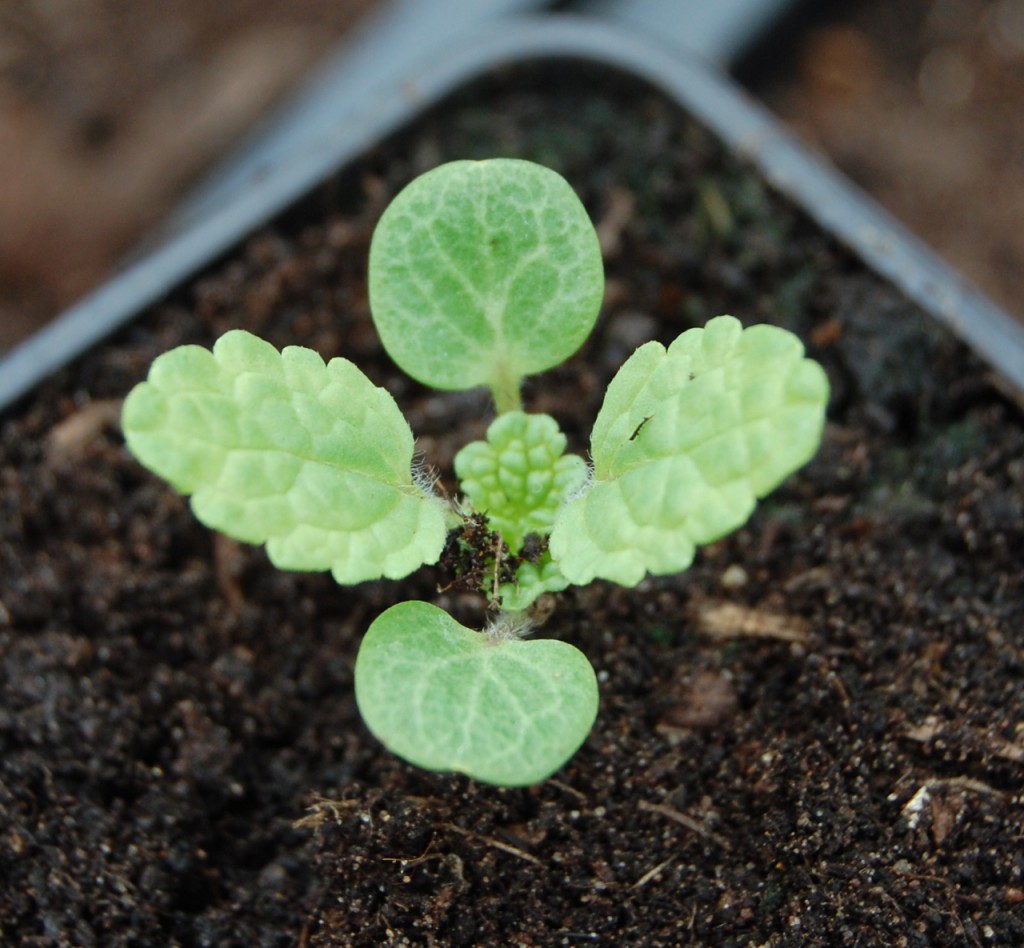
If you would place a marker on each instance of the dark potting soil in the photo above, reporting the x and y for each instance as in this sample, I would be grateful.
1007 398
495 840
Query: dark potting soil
813 736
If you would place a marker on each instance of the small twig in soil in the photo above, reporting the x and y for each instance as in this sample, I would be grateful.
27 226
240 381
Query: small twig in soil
496 843
228 563
932 727
413 860
728 620
651 873
323 809
619 215
966 783
572 791
683 820
1008 750
914 808
72 435
963 930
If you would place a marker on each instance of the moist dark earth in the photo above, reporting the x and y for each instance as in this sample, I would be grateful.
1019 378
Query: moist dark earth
815 736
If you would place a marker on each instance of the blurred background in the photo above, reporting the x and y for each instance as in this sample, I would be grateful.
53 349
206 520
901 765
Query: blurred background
111 109
921 103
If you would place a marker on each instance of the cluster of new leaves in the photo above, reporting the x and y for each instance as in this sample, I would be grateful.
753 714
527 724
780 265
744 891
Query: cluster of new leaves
520 477
481 273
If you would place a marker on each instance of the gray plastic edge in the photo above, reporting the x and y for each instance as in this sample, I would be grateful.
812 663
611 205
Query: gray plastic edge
712 98
404 30
400 31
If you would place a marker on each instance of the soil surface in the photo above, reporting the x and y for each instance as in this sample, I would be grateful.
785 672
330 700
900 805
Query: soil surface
815 736
921 102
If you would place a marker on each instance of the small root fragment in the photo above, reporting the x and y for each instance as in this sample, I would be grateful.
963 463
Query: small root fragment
69 437
724 620
323 809
652 873
683 820
496 843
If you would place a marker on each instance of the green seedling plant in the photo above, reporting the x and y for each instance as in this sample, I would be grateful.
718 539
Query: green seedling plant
480 274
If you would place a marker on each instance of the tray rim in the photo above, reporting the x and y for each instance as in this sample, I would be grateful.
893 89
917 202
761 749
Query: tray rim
698 87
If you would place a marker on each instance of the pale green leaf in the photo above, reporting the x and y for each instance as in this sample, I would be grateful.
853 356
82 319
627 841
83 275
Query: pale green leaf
532 580
520 475
502 710
482 272
685 443
313 460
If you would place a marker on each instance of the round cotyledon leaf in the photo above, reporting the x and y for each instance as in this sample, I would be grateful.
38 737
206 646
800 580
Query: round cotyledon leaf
483 272
500 709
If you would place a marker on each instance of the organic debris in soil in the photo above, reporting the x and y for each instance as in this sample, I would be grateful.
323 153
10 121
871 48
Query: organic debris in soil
814 736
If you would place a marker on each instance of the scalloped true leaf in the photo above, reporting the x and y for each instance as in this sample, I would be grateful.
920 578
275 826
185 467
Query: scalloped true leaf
504 711
520 475
482 272
313 460
686 441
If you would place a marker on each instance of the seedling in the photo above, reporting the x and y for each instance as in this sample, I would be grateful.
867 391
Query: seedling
481 273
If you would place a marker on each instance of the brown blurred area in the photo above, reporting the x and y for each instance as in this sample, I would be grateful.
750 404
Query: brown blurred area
109 109
921 102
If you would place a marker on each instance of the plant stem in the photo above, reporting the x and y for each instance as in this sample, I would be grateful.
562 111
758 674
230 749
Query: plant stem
505 390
